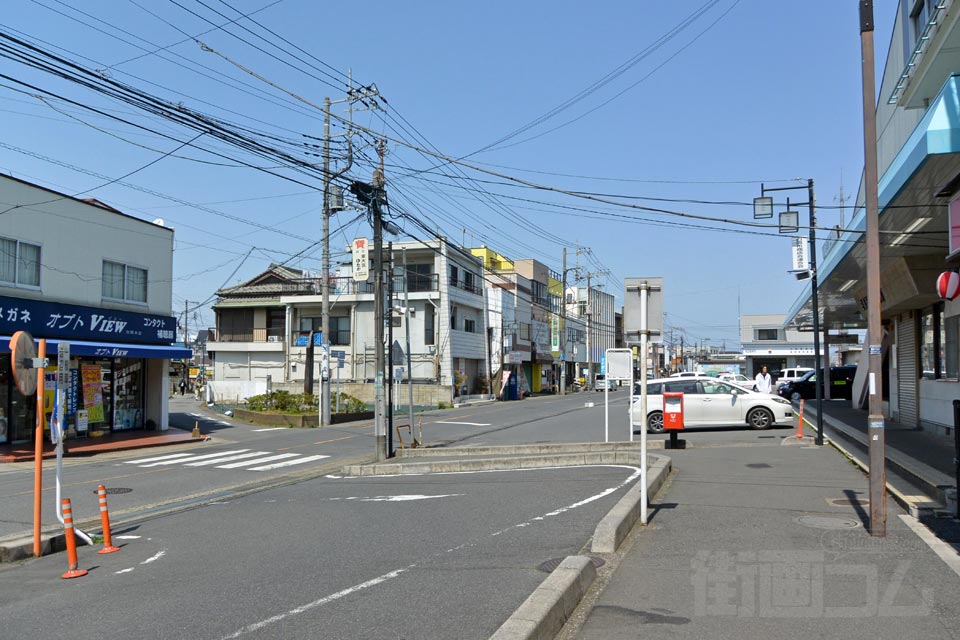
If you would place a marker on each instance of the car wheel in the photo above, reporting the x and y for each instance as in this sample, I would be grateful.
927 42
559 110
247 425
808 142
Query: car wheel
655 422
795 396
760 418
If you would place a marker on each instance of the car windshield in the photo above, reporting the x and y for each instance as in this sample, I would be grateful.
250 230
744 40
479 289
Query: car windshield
809 375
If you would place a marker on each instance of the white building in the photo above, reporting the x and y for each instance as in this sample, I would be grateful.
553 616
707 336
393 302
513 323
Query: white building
263 325
80 272
767 343
594 308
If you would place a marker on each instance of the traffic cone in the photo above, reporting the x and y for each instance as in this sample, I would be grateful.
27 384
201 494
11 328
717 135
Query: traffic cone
73 571
105 522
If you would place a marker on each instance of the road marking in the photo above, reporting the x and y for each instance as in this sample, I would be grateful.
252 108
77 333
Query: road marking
193 458
288 463
239 456
244 463
256 626
158 458
271 429
155 557
127 537
123 571
469 424
400 498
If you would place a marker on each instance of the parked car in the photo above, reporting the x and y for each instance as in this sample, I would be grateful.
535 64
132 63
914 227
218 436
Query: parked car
685 374
841 384
791 375
601 383
739 379
712 402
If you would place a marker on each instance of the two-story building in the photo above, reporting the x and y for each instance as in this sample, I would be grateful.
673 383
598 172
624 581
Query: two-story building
81 273
766 342
263 325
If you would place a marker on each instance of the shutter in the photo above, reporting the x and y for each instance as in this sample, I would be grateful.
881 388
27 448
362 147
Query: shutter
907 370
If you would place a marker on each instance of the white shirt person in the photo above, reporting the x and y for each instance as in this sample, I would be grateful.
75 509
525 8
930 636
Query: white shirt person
764 384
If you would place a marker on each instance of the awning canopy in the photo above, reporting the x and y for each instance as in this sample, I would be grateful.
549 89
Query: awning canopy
909 190
109 349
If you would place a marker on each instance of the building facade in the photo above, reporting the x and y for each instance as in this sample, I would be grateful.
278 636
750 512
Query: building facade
918 154
264 325
101 283
766 342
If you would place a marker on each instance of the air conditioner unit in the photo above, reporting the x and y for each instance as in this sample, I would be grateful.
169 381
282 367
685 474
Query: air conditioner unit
273 338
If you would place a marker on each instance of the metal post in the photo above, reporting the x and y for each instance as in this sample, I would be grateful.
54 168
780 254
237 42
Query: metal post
588 382
875 425
325 271
816 310
406 304
644 287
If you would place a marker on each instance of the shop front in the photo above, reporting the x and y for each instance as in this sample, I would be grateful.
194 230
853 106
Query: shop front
111 386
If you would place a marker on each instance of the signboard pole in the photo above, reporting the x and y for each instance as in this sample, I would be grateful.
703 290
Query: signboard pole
38 453
643 404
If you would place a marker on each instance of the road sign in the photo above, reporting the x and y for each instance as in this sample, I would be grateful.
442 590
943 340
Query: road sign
619 364
603 365
361 259
800 250
632 319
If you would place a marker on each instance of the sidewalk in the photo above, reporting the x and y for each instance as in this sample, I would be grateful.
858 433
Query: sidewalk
117 441
763 542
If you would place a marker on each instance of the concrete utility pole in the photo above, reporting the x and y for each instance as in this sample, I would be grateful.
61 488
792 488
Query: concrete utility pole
563 326
380 430
589 381
406 321
875 424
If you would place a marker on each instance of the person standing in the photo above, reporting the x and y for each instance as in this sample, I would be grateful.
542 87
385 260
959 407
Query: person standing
183 384
764 384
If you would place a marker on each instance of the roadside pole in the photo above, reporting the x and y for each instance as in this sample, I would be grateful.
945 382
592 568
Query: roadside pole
406 322
643 404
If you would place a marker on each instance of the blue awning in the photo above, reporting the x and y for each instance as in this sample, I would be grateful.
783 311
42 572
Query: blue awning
109 349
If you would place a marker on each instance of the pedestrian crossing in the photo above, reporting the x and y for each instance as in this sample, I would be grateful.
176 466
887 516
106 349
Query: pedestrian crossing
233 459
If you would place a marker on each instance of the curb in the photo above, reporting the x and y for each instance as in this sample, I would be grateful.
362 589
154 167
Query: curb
615 526
551 604
527 449
495 464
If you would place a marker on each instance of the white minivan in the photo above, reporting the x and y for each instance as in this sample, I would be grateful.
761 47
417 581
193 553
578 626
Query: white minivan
791 375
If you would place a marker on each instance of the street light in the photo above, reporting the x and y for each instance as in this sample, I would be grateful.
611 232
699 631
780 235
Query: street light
763 208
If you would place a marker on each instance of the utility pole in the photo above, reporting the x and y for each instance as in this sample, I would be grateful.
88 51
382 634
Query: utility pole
406 323
589 381
368 95
390 390
563 326
875 425
185 373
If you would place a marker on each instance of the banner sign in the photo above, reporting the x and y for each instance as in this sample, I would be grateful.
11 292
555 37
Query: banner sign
92 392
58 320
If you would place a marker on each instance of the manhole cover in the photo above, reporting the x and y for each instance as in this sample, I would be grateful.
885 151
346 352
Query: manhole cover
758 465
825 522
848 502
553 563
116 490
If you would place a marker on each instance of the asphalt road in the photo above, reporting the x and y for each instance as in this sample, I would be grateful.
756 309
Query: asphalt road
442 556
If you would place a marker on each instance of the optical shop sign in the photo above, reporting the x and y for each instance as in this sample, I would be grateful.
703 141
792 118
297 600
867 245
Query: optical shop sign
56 320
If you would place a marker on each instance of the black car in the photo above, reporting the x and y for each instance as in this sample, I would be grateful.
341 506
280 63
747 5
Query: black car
841 384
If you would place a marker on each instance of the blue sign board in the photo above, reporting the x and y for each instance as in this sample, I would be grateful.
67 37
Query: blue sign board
58 320
603 365
302 340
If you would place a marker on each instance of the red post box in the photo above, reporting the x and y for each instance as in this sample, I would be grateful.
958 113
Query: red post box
673 411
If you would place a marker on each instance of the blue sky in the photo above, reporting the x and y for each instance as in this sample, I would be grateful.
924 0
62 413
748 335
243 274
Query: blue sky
739 92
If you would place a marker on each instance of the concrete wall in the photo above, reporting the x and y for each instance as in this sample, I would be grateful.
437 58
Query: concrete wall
423 394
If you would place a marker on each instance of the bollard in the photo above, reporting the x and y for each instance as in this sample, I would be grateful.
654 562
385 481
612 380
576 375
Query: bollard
800 422
196 429
105 522
73 571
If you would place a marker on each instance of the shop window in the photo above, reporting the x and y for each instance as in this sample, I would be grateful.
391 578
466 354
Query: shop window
19 263
938 344
124 282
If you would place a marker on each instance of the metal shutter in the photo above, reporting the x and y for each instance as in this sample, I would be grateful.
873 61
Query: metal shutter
907 370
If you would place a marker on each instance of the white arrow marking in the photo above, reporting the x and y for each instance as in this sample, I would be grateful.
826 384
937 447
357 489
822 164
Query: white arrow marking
155 557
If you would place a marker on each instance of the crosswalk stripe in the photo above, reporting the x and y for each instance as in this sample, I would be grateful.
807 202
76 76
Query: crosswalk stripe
194 458
279 456
172 455
288 463
239 456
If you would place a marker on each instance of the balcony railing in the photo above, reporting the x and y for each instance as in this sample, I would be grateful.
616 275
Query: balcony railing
462 284
418 282
249 335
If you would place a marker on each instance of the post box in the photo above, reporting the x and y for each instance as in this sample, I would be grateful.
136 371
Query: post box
673 411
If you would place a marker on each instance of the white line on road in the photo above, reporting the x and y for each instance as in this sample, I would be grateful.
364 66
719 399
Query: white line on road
469 424
193 458
127 537
256 626
244 463
288 463
271 429
155 557
124 571
168 457
239 456
401 498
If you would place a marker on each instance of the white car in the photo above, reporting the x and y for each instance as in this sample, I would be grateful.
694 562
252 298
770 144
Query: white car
712 402
686 374
791 375
739 379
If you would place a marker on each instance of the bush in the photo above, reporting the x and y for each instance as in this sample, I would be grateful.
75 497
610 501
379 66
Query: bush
283 402
350 404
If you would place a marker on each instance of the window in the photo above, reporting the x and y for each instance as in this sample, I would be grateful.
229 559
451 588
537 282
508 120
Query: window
429 324
539 291
470 326
454 276
308 324
123 282
453 318
419 277
951 348
468 281
934 345
276 321
767 334
340 330
582 308
681 386
716 387
19 263
524 331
